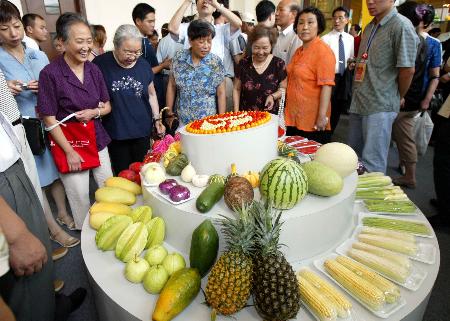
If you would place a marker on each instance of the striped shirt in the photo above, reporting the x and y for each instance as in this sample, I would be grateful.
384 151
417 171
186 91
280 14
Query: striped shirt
393 46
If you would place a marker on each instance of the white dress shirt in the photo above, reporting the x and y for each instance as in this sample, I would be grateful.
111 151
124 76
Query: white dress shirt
167 48
287 44
220 42
9 143
332 40
30 43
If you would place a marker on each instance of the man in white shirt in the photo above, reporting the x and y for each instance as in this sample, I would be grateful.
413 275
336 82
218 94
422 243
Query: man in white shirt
35 30
288 41
342 44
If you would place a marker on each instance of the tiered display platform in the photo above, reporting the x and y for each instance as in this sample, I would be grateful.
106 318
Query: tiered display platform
313 229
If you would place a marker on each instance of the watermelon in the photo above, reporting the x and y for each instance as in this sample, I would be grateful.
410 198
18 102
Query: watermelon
283 183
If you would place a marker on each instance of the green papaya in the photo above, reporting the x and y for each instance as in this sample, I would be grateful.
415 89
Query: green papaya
204 247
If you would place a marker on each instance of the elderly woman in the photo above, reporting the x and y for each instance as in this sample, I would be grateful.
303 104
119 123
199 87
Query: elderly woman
310 80
72 84
259 77
129 79
21 67
197 77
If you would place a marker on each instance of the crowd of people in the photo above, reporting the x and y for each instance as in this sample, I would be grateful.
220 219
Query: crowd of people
216 61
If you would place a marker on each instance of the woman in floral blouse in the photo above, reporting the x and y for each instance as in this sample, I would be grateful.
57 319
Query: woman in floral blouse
259 77
197 77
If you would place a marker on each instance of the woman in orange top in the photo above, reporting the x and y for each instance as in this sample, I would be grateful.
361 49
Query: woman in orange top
310 80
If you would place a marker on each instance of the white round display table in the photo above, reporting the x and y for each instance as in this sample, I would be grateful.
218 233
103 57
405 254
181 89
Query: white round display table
118 299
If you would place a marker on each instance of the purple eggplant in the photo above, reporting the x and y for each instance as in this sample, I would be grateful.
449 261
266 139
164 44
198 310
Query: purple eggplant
179 193
167 185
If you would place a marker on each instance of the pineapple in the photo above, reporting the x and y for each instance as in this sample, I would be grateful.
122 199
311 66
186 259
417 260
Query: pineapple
230 281
275 291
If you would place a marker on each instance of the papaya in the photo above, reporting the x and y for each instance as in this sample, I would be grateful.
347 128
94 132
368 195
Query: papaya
114 195
124 184
181 289
204 247
96 220
116 208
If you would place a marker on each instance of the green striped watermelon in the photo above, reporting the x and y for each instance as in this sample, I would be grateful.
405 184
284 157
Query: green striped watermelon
283 182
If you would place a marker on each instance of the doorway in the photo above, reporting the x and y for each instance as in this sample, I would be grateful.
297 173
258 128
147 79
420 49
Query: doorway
50 10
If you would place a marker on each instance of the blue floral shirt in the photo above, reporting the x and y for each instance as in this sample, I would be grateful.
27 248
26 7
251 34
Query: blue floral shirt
196 85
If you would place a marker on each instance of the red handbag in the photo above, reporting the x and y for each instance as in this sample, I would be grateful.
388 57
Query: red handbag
82 138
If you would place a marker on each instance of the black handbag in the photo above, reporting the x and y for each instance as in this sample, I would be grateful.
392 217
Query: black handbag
35 135
170 122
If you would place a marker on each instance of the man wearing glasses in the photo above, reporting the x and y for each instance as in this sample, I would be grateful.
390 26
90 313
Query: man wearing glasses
342 45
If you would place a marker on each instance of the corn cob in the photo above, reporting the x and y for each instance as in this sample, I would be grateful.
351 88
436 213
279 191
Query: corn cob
389 243
379 264
394 257
397 225
390 290
340 302
365 291
389 233
318 303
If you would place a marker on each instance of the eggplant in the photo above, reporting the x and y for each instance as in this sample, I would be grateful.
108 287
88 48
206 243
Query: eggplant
179 193
167 185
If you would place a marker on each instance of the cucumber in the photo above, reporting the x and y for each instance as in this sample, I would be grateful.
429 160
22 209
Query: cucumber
210 196
204 247
181 289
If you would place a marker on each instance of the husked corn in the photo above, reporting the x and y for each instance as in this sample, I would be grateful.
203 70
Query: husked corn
340 302
360 288
390 290
379 264
387 254
318 303
389 233
389 243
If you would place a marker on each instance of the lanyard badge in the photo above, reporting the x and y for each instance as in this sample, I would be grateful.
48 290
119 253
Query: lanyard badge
361 65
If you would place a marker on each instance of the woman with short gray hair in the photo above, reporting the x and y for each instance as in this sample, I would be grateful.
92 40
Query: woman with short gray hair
129 79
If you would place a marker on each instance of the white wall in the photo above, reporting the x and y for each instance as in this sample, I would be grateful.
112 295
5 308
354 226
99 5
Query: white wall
113 13
18 5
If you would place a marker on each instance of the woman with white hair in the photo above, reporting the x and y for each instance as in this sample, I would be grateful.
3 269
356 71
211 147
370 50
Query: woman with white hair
129 80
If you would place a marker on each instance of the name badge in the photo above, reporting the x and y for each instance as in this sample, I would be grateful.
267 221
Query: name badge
360 71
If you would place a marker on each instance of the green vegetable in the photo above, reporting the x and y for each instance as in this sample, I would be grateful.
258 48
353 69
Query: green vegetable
177 164
394 207
374 180
210 196
397 225
204 247
381 193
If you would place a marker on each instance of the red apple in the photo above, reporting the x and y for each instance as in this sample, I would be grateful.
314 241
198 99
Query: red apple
136 167
128 174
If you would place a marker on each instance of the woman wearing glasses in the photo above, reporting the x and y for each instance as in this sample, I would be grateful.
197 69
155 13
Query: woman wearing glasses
129 80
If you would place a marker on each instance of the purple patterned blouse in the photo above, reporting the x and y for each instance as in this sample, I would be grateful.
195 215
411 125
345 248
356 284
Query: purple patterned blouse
255 88
61 93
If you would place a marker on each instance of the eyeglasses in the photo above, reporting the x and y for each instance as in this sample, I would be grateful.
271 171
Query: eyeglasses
136 54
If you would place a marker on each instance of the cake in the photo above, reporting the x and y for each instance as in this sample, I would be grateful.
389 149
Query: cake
250 145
